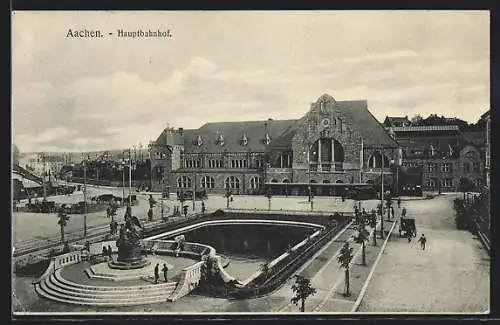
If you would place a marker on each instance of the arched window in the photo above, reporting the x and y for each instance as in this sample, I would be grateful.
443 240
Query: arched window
232 182
339 181
285 180
255 183
477 182
313 181
375 160
325 181
183 182
274 180
207 182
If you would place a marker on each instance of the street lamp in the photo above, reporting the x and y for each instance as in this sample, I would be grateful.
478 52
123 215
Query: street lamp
309 173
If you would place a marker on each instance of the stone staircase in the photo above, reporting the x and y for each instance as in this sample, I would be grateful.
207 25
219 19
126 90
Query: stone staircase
56 288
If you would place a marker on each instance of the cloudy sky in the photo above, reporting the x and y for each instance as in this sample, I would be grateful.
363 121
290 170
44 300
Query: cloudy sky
109 93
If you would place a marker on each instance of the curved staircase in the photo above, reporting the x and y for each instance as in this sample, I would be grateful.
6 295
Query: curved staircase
55 287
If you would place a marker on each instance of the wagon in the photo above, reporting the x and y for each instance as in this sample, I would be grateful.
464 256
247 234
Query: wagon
406 226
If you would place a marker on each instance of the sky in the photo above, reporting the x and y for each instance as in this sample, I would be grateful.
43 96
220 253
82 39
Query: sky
88 94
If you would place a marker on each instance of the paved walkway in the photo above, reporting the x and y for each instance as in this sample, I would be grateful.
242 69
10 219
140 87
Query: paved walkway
451 275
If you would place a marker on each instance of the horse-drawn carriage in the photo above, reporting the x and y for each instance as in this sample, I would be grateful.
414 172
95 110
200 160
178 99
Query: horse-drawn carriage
407 227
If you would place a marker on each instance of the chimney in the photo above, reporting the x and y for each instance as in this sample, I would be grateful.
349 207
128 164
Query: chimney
181 130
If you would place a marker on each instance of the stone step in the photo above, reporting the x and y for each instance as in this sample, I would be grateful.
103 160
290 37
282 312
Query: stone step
100 276
50 293
60 278
54 283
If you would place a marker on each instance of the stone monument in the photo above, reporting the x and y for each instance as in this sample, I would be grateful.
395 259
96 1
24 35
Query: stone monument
129 245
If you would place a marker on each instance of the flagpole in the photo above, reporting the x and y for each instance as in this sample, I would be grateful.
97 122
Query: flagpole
129 178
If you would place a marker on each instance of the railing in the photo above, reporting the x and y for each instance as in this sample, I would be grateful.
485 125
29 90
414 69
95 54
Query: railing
195 250
189 279
282 257
67 259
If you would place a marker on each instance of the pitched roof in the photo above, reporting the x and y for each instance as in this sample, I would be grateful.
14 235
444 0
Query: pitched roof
426 128
233 134
390 120
372 132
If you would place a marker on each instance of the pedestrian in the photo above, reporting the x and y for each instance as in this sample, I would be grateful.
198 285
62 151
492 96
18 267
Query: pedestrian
392 211
165 270
104 251
157 273
403 212
422 240
202 207
409 235
110 251
399 202
150 214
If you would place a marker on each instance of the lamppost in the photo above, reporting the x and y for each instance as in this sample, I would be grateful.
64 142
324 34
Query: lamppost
129 178
310 199
44 185
123 181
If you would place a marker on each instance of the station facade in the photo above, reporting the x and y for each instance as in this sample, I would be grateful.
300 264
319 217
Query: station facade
336 144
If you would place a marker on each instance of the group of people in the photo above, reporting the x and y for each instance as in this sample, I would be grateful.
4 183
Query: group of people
157 272
107 251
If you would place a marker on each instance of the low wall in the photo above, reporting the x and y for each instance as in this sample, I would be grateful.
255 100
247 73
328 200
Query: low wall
189 279
67 259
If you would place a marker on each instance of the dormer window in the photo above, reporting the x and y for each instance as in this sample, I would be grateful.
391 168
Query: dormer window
267 139
244 140
199 141
220 140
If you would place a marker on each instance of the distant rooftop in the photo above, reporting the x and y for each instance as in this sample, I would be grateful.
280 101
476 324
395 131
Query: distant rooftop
425 128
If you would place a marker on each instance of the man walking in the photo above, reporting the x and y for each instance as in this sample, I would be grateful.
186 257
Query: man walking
403 212
165 270
399 203
422 240
157 273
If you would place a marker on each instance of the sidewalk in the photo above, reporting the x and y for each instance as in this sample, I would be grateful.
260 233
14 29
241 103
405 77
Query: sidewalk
450 276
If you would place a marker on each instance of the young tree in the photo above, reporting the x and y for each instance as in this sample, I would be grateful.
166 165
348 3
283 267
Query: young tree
344 259
362 238
302 289
264 268
62 220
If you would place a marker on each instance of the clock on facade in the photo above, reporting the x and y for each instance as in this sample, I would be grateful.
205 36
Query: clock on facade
325 122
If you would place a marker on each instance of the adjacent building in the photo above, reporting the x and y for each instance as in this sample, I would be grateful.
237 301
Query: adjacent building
446 158
335 145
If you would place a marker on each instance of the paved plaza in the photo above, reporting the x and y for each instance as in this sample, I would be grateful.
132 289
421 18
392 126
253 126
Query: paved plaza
451 275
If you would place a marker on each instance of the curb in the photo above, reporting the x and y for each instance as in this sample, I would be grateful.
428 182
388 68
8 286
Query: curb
367 282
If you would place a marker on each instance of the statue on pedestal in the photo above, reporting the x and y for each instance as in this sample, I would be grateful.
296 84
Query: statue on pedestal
129 245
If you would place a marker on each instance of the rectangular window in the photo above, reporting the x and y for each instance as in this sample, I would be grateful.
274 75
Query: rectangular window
431 183
446 168
476 168
466 167
431 167
244 163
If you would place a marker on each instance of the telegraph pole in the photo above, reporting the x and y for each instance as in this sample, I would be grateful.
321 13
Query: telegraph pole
85 198
43 179
129 178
